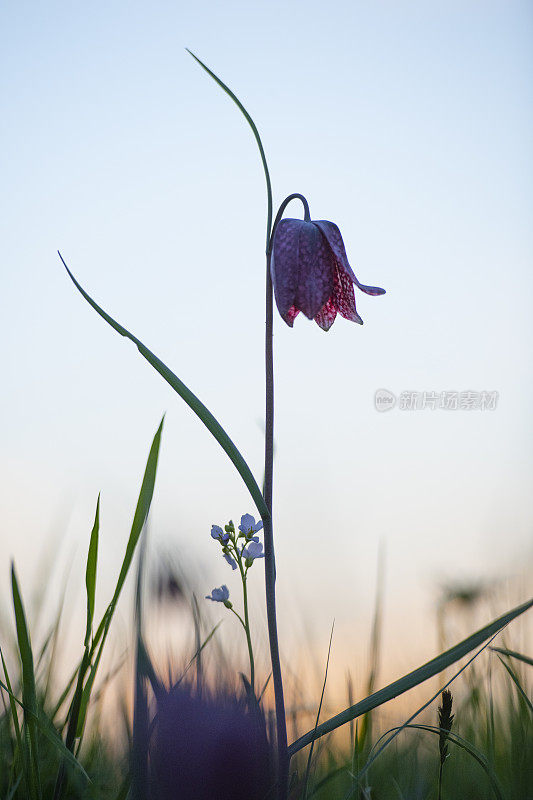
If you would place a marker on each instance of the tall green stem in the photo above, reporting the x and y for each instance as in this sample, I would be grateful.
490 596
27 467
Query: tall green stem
270 561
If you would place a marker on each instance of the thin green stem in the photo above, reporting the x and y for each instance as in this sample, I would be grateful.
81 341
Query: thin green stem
440 779
246 622
248 634
238 617
270 560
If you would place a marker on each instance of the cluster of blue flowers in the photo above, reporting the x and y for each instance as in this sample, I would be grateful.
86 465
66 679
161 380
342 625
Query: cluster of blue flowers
240 549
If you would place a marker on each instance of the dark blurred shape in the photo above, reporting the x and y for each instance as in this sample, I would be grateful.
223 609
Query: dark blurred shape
208 749
465 593
167 585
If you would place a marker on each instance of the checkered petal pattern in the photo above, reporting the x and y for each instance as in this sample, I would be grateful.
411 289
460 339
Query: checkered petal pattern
310 273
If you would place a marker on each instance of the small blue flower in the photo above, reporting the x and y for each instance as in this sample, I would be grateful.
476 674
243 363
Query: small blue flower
219 595
252 550
218 534
249 525
231 561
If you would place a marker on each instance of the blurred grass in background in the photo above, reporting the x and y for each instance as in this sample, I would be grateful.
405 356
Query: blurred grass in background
76 738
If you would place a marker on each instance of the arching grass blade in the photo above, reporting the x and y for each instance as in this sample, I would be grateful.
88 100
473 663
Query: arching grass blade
411 680
514 654
192 401
139 519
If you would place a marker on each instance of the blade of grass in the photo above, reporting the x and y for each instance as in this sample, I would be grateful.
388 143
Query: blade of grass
139 766
255 132
18 751
64 694
193 659
46 728
398 730
192 401
14 788
263 690
310 756
29 694
473 751
411 680
48 681
12 704
516 682
90 573
139 519
514 654
74 710
375 646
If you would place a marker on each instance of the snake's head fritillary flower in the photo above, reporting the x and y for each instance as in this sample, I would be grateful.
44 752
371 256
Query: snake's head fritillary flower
310 273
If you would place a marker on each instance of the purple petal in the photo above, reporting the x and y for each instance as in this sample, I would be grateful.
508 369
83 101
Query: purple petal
316 264
301 268
231 561
253 551
344 297
247 523
219 595
334 239
216 531
326 317
291 315
284 265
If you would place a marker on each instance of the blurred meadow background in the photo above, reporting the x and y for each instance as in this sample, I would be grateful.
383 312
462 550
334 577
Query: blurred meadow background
410 126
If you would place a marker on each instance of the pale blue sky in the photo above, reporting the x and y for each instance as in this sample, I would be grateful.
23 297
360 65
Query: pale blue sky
408 124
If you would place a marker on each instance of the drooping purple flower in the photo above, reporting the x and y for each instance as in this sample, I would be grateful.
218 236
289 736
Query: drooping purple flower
310 273
208 749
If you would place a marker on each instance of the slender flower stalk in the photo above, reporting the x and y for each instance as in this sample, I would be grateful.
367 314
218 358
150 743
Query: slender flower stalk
270 560
246 624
